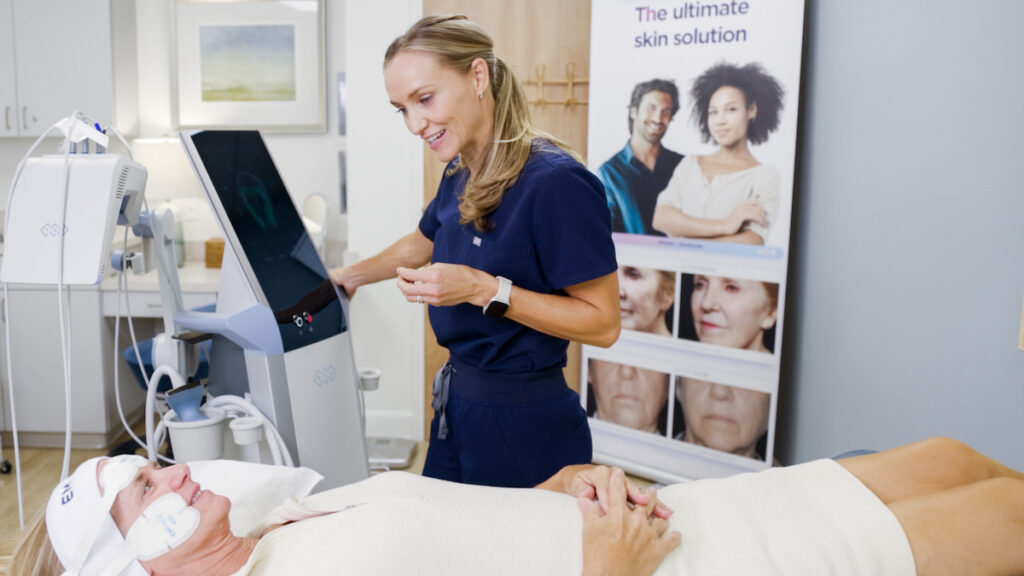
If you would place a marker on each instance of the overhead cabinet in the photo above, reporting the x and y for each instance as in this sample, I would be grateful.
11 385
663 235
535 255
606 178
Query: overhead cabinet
58 56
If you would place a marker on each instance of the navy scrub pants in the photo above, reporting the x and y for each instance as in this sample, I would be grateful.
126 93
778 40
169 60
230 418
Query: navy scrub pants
513 430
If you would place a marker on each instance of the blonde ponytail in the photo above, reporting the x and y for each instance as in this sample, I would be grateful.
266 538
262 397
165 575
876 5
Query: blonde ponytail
34 555
458 42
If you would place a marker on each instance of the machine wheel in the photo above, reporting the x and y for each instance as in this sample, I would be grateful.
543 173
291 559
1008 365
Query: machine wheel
5 467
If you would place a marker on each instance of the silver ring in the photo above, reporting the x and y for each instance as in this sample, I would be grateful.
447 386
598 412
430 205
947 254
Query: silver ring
419 299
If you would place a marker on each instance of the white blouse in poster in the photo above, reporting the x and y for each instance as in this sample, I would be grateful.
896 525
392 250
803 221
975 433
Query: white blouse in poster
691 388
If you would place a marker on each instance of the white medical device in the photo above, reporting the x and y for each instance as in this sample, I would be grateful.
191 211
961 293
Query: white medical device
281 324
65 210
97 186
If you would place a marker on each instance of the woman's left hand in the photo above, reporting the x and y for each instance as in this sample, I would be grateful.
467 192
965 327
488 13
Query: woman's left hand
593 483
623 540
443 284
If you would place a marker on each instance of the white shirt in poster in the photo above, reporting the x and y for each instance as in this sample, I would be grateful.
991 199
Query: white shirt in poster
692 193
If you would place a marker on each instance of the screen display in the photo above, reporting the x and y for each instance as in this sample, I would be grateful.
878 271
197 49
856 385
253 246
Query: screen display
271 235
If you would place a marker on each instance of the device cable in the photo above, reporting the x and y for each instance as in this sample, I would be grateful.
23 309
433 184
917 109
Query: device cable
121 277
120 137
65 322
176 382
14 413
278 449
7 329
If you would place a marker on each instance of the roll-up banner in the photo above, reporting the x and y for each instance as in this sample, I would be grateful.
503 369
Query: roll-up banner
692 129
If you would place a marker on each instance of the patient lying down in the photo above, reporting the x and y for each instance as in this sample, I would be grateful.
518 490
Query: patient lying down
929 508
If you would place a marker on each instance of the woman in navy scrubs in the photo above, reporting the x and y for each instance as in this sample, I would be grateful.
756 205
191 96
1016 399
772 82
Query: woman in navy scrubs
522 260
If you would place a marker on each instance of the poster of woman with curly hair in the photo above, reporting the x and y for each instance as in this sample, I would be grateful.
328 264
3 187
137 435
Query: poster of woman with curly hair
700 187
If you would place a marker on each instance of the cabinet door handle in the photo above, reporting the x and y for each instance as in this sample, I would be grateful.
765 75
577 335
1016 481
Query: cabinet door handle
24 116
7 117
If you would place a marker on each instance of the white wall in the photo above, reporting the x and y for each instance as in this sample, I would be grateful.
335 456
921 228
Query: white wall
385 202
908 253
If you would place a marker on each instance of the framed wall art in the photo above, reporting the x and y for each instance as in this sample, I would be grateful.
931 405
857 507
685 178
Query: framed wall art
254 64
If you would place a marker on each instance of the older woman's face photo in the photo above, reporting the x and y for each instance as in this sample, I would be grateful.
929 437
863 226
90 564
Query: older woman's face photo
729 116
627 395
644 299
724 418
731 312
439 104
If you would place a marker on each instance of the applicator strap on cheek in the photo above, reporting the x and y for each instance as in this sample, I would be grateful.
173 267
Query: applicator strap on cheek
165 524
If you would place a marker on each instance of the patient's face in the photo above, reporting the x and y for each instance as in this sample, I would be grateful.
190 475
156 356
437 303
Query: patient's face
627 395
150 484
723 417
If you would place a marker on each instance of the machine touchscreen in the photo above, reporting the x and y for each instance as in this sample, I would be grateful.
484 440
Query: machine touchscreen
270 236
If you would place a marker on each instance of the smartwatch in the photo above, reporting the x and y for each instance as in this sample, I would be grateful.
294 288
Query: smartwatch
498 305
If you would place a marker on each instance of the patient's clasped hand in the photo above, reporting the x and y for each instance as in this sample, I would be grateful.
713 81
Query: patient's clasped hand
929 508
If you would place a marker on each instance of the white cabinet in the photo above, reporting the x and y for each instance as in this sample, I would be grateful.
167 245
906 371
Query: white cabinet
38 373
8 91
5 419
58 56
37 363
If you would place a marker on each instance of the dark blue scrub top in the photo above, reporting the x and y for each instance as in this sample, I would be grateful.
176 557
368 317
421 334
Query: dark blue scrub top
551 230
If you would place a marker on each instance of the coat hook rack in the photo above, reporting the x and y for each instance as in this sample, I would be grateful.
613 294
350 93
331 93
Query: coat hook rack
570 83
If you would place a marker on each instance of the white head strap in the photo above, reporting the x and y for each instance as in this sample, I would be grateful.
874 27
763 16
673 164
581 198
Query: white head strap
100 548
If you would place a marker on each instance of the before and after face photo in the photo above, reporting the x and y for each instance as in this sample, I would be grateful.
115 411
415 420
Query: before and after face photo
728 419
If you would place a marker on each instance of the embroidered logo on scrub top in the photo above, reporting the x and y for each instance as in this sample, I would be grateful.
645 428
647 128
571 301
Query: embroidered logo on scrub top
477 241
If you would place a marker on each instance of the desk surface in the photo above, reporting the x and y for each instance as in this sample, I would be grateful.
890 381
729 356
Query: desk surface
194 276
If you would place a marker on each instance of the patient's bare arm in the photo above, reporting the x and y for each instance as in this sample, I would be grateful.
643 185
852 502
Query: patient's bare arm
592 482
623 541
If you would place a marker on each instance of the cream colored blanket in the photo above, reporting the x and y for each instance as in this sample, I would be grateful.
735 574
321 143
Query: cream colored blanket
814 519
